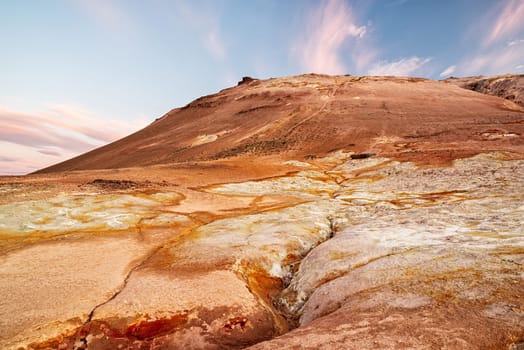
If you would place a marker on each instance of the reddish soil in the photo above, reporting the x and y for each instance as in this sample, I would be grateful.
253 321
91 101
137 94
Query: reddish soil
309 116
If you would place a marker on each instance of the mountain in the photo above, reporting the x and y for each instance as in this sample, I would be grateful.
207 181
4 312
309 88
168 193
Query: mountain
312 115
307 212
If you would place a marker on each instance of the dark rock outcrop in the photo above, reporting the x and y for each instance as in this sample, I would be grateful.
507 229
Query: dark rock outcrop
509 86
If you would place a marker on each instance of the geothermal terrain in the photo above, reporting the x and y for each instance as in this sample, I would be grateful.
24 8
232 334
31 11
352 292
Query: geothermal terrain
306 212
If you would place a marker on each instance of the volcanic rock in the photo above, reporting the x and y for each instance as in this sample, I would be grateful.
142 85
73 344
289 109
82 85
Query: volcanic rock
509 86
297 213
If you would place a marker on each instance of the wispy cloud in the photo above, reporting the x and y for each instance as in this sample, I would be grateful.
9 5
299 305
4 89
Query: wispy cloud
214 44
364 57
396 3
108 14
499 59
335 41
206 21
25 161
448 71
59 131
509 21
49 152
8 159
498 52
494 62
402 67
516 42
329 28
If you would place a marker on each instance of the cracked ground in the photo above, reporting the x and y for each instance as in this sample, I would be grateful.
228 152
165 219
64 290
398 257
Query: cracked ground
305 212
333 251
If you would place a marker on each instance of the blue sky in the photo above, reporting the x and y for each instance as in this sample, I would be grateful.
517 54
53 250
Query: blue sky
76 74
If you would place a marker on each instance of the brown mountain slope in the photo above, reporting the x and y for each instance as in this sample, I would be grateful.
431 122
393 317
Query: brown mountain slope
508 86
255 231
312 115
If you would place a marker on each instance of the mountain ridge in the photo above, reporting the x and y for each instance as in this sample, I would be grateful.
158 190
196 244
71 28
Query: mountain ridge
294 116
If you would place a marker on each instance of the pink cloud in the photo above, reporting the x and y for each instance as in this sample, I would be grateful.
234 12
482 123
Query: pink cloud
54 134
49 153
507 23
364 56
329 27
500 52
8 159
18 160
75 118
28 130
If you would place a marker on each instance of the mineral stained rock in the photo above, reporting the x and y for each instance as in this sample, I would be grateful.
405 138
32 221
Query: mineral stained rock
302 213
509 86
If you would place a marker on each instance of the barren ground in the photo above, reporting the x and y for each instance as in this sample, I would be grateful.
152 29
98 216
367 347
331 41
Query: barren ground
299 213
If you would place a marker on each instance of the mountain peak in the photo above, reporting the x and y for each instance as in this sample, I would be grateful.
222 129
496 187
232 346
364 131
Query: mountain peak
406 118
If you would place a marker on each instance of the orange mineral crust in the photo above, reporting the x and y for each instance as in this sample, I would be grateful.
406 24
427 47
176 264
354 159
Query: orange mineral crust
306 212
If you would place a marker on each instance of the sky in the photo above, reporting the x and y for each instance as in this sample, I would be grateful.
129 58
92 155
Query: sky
78 74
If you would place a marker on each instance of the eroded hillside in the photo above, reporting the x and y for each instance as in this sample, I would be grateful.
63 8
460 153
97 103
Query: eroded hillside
509 86
310 116
371 213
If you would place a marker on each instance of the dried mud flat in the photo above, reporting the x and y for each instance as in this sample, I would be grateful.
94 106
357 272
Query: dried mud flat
418 243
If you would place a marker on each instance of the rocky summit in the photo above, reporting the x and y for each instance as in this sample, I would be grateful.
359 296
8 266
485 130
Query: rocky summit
306 212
